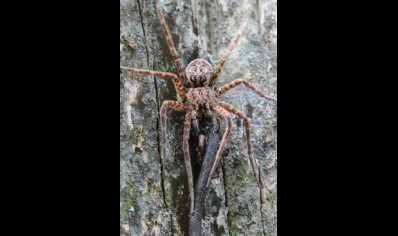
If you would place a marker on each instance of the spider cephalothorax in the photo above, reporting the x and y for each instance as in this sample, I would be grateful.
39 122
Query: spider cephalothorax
199 72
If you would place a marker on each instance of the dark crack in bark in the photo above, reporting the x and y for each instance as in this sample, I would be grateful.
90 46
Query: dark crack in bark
162 164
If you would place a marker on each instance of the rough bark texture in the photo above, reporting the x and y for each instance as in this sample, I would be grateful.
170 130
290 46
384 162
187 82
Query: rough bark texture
154 193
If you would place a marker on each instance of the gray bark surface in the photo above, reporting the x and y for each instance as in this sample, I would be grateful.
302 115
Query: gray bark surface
153 192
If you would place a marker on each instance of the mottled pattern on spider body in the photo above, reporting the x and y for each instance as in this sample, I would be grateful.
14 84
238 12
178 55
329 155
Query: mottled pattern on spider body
201 99
199 72
199 103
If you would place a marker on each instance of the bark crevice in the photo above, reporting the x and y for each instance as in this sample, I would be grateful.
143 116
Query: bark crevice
161 161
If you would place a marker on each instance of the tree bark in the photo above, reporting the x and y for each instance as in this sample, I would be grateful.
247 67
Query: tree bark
153 192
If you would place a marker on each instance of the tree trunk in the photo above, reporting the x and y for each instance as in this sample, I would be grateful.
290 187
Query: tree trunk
153 192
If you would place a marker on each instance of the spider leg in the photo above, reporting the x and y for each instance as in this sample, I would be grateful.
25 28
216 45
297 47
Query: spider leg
253 161
224 57
166 75
167 104
226 115
195 122
236 82
187 158
169 40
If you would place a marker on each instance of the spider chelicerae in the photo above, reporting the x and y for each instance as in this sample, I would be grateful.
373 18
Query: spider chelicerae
199 100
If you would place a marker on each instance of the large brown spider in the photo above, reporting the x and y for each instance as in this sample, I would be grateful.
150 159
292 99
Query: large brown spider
194 86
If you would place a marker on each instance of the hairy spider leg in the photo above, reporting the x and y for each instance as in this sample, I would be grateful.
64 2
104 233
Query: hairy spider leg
227 117
195 123
187 158
170 43
237 82
231 46
166 75
242 115
167 104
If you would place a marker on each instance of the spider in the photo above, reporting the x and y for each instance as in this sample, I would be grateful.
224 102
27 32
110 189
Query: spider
195 87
